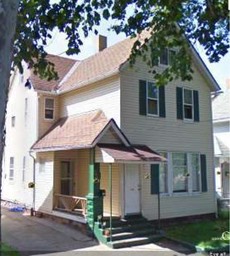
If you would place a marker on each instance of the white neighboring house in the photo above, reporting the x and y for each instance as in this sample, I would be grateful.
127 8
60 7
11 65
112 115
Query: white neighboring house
221 129
23 129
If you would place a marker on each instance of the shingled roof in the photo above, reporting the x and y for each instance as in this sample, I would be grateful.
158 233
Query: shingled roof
99 66
77 131
62 66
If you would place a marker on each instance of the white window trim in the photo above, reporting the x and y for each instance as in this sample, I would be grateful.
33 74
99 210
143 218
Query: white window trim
49 119
187 104
147 98
190 191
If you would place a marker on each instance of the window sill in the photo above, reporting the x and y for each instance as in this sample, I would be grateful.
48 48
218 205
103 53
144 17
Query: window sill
48 120
151 115
182 194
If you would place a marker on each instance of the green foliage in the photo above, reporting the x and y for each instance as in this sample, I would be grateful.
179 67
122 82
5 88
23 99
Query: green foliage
224 214
171 23
204 234
6 250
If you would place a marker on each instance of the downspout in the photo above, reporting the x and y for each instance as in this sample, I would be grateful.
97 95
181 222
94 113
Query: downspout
32 210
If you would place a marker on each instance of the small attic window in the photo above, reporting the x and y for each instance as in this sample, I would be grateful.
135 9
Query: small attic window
49 108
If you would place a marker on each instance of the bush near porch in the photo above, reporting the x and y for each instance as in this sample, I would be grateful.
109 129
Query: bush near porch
6 250
206 235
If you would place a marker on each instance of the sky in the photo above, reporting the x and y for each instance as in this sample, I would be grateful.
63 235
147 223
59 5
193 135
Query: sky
58 46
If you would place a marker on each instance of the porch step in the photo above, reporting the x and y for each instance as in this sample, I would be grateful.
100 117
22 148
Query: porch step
131 231
128 235
135 241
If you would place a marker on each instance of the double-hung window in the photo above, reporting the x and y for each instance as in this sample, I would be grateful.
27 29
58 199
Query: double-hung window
180 172
167 57
152 99
188 104
49 108
11 172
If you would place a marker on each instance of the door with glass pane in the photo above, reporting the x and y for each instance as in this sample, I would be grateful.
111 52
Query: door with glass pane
66 178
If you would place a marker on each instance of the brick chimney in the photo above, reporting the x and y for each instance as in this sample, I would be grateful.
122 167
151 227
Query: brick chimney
102 43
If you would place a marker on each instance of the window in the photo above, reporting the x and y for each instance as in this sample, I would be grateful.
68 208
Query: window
23 168
11 173
163 176
167 56
180 172
187 104
13 121
195 170
66 178
152 99
49 108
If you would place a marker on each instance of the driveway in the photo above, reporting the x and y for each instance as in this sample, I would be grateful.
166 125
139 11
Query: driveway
39 236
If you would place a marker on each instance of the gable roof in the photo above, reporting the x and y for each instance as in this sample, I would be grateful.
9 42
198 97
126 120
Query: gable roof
109 61
62 66
221 107
101 65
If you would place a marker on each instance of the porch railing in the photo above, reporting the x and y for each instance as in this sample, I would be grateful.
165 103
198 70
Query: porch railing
71 203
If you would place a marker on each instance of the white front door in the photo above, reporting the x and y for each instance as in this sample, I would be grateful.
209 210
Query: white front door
132 189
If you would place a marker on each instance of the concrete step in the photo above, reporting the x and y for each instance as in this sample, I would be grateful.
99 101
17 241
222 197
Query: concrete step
127 235
131 228
135 241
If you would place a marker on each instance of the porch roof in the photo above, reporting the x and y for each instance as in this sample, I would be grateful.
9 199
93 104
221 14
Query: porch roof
72 132
122 154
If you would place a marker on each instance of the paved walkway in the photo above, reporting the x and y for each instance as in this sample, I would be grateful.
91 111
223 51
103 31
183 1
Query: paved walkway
39 236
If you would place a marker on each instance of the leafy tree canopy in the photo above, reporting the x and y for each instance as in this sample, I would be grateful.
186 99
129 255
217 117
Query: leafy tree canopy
171 22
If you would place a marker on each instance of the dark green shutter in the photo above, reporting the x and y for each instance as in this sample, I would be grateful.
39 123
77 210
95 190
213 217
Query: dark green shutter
142 97
204 185
179 102
196 106
162 101
155 186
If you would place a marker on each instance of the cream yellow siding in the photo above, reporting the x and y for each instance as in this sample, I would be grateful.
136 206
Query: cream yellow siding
169 134
45 124
116 188
104 95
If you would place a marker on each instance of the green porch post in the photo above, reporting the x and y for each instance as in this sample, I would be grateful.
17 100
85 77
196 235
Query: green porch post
94 197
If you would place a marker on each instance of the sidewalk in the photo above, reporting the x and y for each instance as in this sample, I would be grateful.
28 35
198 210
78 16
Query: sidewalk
33 236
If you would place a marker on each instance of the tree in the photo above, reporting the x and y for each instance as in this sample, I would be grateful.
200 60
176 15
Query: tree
172 23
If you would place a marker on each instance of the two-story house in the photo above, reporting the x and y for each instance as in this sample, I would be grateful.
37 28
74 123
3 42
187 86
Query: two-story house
93 137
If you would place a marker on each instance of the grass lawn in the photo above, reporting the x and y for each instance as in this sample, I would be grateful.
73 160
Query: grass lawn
6 250
205 234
